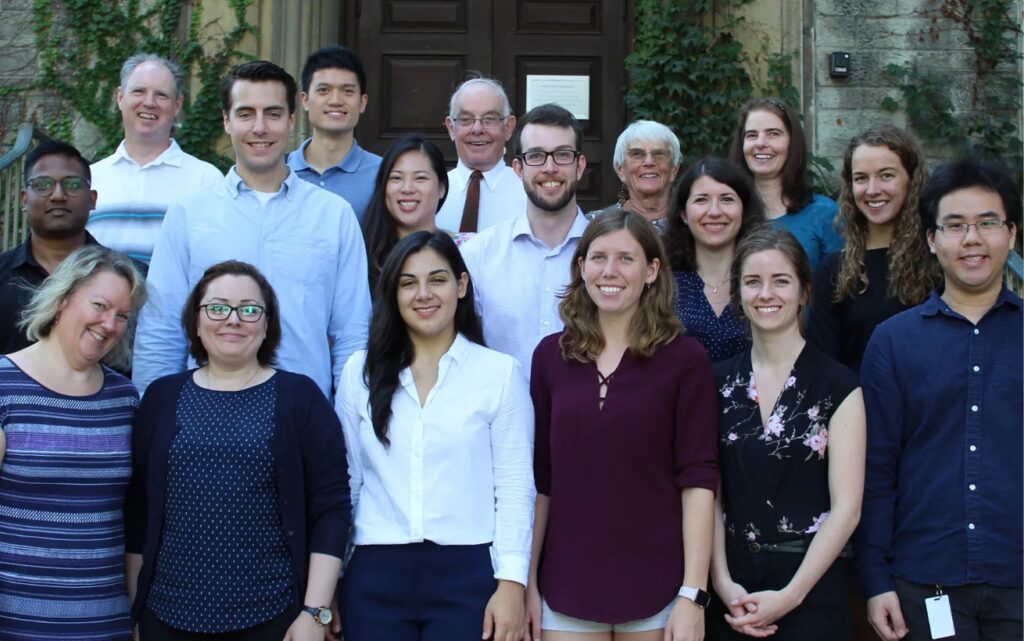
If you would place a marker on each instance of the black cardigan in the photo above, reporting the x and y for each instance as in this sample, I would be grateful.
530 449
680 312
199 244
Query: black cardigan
309 468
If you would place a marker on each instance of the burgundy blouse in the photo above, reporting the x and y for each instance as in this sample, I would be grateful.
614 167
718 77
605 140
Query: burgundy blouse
613 551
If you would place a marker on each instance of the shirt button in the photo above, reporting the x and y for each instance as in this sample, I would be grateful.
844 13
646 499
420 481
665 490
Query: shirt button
972 486
973 448
977 369
321 183
546 323
974 408
977 331
291 532
970 526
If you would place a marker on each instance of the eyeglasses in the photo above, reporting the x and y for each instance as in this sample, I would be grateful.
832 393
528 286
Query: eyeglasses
639 155
72 185
984 227
560 156
220 311
489 122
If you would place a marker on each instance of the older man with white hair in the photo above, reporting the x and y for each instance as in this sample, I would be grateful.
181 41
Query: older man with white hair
482 189
148 171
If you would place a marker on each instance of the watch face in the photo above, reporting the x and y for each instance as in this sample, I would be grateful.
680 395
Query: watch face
325 616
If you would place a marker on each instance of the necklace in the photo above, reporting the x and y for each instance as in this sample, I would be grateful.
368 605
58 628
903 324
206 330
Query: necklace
714 288
244 385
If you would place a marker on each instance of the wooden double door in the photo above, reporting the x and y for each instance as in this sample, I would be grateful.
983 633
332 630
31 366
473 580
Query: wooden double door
417 51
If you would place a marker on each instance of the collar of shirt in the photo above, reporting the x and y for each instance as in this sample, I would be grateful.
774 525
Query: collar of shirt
24 256
492 177
172 156
521 229
455 354
934 304
349 164
236 186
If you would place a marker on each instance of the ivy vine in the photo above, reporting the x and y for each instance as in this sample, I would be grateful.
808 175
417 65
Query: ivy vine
82 43
990 121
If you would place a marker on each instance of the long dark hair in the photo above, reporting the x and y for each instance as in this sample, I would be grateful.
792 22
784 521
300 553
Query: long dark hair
389 349
679 243
796 183
380 232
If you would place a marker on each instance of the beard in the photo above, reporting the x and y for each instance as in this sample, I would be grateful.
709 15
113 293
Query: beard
539 201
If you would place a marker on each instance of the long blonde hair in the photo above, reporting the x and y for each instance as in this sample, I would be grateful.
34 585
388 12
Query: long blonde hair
654 324
913 273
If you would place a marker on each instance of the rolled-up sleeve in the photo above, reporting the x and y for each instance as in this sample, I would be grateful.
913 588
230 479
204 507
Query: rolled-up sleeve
696 429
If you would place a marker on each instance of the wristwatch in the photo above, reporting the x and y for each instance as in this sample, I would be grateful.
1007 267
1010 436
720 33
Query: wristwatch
322 615
698 596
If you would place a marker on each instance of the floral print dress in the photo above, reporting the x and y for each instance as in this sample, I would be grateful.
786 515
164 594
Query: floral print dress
775 473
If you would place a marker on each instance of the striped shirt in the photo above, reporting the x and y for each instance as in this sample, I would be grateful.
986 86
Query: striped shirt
62 483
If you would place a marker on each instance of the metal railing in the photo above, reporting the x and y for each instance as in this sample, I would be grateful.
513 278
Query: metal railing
1015 273
13 224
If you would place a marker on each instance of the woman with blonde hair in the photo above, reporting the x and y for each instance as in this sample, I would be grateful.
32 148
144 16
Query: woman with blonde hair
625 450
885 267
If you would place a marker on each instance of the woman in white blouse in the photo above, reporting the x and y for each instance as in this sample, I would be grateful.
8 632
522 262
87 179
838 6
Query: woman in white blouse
440 436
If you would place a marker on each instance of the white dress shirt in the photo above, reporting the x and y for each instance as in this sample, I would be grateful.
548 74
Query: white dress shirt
459 470
131 199
516 282
307 243
501 197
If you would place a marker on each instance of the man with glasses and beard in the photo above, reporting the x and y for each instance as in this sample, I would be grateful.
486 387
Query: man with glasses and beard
519 266
57 198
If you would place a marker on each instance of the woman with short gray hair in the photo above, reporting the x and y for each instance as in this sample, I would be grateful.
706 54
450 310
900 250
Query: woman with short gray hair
65 454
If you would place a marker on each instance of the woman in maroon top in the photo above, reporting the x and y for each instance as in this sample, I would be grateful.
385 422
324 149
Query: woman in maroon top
625 450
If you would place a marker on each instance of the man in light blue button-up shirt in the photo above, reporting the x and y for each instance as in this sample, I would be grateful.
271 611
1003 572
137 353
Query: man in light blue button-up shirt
304 239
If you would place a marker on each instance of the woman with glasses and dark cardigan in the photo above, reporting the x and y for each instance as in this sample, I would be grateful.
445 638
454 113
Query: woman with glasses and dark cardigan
238 510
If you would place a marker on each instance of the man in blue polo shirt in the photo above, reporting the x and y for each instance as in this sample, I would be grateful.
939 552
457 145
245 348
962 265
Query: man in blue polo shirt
943 507
334 96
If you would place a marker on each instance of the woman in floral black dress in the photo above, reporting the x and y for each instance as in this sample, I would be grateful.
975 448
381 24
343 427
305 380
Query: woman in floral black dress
791 441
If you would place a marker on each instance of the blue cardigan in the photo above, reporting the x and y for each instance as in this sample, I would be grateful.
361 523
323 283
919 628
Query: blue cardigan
309 468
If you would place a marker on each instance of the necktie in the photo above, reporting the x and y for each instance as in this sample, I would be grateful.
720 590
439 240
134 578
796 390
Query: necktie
472 208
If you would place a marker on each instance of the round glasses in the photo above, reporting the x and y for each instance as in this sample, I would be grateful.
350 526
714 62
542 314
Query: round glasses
220 311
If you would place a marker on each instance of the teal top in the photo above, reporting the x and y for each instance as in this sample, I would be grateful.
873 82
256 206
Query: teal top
813 227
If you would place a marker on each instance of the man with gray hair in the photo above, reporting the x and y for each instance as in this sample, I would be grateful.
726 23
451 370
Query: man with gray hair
482 189
148 171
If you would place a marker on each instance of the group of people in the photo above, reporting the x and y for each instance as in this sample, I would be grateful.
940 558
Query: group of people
492 415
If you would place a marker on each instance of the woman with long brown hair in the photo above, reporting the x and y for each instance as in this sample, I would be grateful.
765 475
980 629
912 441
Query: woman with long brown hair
625 416
885 267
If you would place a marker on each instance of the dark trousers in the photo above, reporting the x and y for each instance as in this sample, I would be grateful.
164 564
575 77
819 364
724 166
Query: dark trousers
824 614
417 592
153 629
981 612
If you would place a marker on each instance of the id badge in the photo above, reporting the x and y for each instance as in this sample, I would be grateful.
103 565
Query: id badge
940 616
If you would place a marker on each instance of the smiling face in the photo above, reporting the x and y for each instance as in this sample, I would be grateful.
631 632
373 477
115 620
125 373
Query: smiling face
478 146
714 213
765 144
428 293
232 342
973 263
880 184
770 292
93 318
615 272
149 102
549 187
59 214
334 102
259 124
412 192
647 169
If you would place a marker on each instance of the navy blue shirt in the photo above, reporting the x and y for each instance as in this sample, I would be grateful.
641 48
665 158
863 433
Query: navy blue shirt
723 336
942 494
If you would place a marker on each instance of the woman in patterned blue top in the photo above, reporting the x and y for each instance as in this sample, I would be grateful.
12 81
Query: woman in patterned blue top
64 455
715 205
769 143
238 512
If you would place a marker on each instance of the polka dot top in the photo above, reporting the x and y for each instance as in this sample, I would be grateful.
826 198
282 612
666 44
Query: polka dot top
722 336
223 562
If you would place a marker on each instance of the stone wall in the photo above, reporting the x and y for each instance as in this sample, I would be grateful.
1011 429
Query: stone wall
876 33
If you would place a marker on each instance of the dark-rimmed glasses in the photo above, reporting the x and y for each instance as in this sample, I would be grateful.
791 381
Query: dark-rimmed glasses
248 313
560 156
72 185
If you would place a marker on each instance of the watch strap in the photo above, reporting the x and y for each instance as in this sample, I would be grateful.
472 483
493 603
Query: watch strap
698 596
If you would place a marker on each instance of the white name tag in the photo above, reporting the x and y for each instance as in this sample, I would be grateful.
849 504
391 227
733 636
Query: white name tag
940 617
